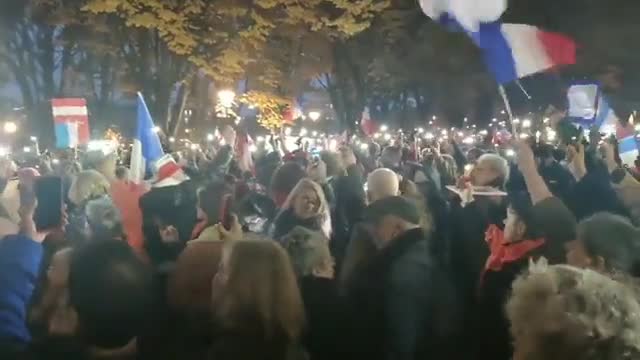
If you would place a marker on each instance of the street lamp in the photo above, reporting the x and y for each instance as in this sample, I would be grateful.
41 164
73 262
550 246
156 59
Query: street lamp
226 98
10 127
314 115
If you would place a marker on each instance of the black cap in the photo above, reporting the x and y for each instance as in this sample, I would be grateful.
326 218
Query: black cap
398 206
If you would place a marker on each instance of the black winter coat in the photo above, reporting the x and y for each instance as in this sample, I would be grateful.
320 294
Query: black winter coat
324 338
402 305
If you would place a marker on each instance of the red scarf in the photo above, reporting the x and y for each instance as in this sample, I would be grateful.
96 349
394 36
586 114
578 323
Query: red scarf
504 253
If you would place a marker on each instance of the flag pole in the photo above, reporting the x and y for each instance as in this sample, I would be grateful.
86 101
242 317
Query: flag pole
523 89
507 105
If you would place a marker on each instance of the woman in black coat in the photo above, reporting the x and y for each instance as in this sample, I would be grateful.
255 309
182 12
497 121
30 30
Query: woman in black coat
314 267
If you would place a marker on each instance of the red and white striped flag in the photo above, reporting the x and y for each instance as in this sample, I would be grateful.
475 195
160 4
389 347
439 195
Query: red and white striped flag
71 120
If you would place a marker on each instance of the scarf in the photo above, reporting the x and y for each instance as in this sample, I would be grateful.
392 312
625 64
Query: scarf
504 253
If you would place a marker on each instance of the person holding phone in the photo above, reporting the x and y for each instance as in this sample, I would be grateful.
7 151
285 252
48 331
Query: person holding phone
20 257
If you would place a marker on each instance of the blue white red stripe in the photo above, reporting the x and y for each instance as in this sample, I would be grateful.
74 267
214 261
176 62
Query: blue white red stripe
146 144
511 51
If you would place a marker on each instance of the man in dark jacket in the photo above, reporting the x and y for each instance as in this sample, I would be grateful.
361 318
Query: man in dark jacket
397 299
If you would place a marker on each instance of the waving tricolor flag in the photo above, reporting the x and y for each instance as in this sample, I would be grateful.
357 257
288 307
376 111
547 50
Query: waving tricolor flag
510 51
146 144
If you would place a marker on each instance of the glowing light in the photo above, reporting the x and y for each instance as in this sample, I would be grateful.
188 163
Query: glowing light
510 153
468 168
253 148
10 127
444 132
420 130
226 97
260 139
194 147
608 129
387 137
27 149
384 128
33 138
303 132
460 134
314 134
314 115
494 120
172 139
465 119
483 132
187 130
502 112
333 144
516 121
524 136
546 120
551 135
287 131
55 161
156 129
430 122
429 136
364 146
376 135
210 137
468 140
526 123
434 117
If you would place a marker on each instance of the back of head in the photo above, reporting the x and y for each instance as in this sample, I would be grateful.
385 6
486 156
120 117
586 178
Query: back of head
383 183
308 250
284 179
391 156
561 312
614 239
498 165
210 199
333 162
87 185
261 288
104 218
111 290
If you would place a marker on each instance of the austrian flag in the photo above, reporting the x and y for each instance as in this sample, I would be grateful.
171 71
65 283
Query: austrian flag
71 120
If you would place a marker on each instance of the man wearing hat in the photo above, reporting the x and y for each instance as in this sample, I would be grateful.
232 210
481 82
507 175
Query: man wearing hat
402 300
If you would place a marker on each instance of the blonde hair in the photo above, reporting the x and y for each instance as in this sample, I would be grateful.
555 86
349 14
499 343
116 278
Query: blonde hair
87 185
561 312
324 212
260 283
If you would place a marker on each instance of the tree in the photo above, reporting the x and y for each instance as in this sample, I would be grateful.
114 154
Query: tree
235 40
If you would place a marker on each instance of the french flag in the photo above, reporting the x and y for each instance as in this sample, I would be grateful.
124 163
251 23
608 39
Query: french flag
609 123
514 51
71 122
510 51
147 149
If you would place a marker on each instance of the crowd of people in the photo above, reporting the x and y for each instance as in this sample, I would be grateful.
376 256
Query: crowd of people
346 254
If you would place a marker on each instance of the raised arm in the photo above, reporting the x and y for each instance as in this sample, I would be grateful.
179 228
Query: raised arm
538 189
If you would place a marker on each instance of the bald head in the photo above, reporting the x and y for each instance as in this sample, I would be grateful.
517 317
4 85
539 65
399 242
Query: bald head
383 183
